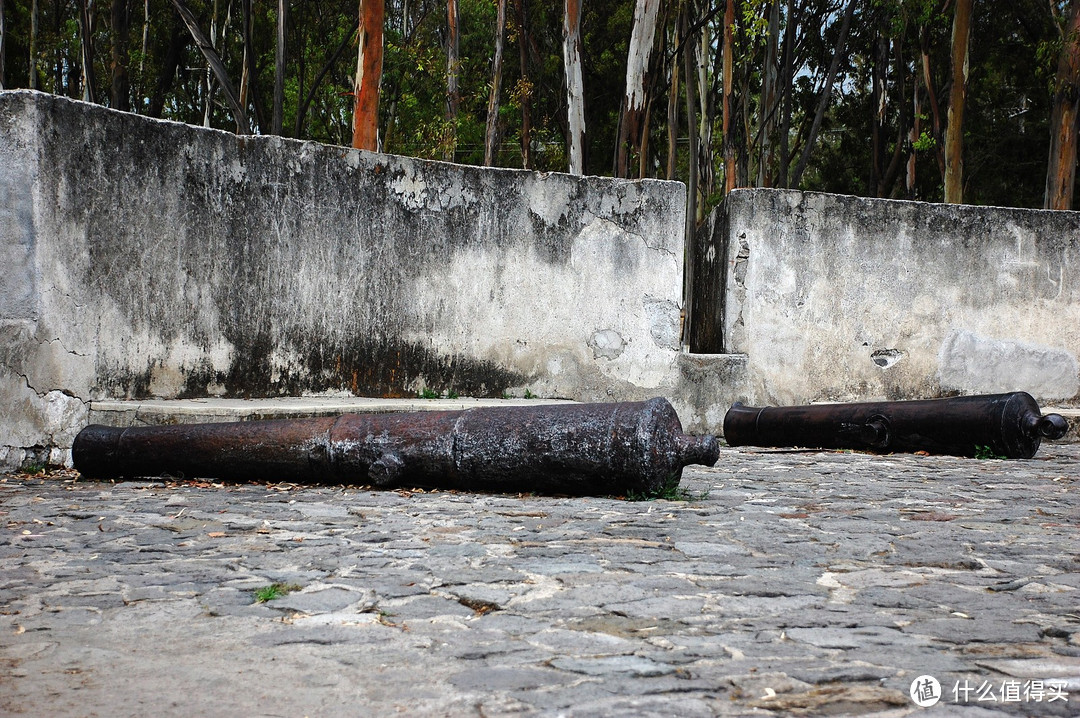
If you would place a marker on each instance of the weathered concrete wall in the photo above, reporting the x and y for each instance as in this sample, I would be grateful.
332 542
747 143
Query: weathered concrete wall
842 298
152 259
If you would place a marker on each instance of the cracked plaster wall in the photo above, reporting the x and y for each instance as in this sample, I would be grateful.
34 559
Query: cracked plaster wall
843 298
153 259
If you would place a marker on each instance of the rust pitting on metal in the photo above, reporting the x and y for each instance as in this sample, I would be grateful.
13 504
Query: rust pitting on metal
1007 425
577 449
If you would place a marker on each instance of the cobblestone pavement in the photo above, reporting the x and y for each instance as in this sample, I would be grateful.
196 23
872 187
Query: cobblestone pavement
802 583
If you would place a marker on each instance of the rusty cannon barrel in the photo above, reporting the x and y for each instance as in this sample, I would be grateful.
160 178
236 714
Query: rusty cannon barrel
1008 425
600 449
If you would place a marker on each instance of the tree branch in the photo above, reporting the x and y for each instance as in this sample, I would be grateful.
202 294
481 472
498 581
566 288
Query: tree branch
216 66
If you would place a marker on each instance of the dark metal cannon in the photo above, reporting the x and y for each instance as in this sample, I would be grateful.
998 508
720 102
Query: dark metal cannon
1008 425
601 449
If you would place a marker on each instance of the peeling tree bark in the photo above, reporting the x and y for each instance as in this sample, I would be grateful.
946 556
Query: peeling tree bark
637 64
728 61
1065 119
575 93
453 65
954 133
368 76
491 136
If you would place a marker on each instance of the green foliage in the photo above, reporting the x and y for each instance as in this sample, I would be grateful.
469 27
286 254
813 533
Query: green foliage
1014 54
274 590
986 452
427 393
670 490
925 143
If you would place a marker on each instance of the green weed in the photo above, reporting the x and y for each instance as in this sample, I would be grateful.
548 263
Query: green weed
670 490
985 452
274 590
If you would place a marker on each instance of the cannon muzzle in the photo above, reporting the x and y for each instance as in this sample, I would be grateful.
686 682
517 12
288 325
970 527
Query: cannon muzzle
600 449
1008 425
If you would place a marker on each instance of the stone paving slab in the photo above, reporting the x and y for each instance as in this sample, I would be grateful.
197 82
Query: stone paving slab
794 583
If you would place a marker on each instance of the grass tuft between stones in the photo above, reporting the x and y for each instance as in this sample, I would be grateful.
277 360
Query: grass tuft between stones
670 490
274 590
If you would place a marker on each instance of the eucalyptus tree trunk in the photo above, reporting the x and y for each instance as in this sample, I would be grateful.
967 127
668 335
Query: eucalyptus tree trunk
279 67
491 136
208 78
33 44
119 96
892 172
913 137
954 137
637 64
145 35
728 79
673 112
787 79
526 95
247 62
770 99
453 67
368 76
86 42
706 114
575 93
689 60
931 96
879 104
1065 119
3 43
